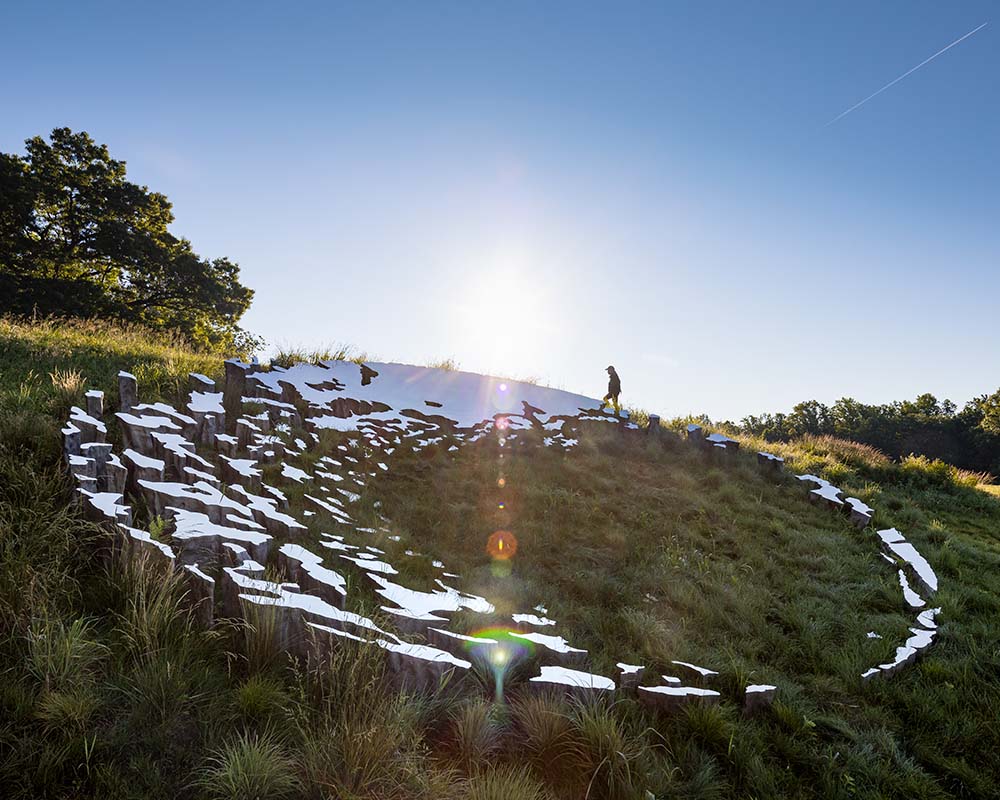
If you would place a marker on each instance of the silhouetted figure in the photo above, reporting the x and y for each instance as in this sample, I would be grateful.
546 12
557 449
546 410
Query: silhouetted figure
614 389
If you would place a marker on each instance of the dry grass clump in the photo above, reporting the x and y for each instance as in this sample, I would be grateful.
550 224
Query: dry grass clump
68 388
288 356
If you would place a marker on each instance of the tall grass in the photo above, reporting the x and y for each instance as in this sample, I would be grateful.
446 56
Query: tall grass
359 737
42 541
60 654
154 617
86 671
95 351
929 472
69 709
262 698
68 386
288 356
477 734
609 753
548 737
648 553
262 646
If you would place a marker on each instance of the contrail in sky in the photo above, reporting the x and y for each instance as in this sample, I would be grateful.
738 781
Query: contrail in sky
908 72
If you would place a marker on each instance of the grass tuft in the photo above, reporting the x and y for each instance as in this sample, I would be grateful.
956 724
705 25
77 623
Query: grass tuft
68 387
252 766
477 734
60 655
548 733
289 356
609 753
70 709
505 783
261 698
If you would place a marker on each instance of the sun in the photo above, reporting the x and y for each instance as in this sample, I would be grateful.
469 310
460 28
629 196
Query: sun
505 315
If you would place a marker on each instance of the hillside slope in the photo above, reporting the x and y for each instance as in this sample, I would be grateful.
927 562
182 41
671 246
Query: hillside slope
644 550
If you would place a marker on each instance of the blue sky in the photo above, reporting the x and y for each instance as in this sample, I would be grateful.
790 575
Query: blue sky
543 189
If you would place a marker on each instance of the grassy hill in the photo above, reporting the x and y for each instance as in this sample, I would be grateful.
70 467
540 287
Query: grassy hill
645 551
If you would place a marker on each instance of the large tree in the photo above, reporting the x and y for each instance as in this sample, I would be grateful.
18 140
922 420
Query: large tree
77 238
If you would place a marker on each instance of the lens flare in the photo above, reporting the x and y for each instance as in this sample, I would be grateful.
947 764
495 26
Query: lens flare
503 401
501 482
498 650
502 546
501 506
496 638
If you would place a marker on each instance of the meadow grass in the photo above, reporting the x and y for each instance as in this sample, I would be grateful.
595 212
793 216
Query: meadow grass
287 356
643 551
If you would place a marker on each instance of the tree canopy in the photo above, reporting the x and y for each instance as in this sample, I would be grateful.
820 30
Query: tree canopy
79 239
968 438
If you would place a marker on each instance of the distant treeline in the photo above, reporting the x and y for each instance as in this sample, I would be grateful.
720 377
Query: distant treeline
968 438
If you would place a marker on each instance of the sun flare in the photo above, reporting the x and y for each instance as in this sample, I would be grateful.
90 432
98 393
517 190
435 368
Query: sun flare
504 314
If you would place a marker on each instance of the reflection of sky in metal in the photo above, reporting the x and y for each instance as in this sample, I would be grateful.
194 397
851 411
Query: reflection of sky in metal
465 398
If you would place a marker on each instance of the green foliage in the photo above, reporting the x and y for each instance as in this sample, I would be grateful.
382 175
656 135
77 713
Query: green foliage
926 472
40 536
95 350
153 618
68 386
987 409
250 767
968 438
78 239
261 698
652 553
101 693
61 655
69 709
157 528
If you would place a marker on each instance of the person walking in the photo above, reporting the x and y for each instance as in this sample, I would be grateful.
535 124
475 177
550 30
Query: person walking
614 389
